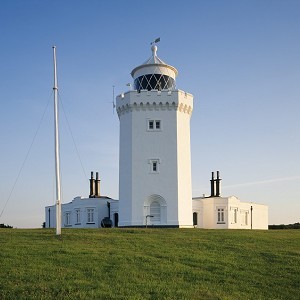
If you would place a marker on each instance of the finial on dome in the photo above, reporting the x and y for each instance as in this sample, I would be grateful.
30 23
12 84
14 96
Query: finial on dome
154 49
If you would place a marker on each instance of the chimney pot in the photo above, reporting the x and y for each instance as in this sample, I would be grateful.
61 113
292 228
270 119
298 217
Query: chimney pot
218 185
92 186
97 185
212 185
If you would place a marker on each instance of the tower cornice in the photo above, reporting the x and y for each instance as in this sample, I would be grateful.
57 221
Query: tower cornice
155 100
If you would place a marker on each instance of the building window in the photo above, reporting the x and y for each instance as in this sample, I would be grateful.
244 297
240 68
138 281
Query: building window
77 214
90 215
195 219
154 165
244 217
154 125
68 219
234 215
221 215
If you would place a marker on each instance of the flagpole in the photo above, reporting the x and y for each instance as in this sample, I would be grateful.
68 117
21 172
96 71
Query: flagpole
57 161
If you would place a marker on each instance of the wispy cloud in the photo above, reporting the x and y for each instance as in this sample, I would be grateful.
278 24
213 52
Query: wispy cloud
262 182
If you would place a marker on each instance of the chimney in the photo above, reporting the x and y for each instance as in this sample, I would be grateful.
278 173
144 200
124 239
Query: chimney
92 186
212 185
97 185
218 185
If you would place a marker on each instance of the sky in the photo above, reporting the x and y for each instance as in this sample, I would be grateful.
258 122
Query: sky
240 60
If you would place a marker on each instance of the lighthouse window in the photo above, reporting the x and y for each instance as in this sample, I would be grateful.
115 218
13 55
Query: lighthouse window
151 125
154 125
154 166
154 82
157 124
154 163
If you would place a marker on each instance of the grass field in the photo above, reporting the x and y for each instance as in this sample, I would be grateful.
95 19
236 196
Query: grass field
149 264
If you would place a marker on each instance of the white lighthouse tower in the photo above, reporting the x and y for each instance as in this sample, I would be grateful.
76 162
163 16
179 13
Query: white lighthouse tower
155 159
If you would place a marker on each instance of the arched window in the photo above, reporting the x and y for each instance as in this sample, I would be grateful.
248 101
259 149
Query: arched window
155 211
195 218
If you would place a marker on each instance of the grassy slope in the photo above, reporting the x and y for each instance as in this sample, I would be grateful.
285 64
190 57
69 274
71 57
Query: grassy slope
149 264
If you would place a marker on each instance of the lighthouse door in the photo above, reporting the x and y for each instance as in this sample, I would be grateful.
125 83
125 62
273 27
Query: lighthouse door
155 212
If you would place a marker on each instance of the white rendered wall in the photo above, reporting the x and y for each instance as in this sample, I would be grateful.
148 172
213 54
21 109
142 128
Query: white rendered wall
170 146
210 214
197 206
50 216
82 204
260 215
184 168
237 214
114 209
125 172
233 211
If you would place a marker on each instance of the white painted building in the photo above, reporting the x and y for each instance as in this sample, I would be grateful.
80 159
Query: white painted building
212 212
228 213
155 166
216 212
155 160
84 213
91 212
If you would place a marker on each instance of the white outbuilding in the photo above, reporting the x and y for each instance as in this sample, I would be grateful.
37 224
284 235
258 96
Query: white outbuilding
92 212
228 213
217 212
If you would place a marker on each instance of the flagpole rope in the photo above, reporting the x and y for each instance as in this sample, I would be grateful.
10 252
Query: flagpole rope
26 156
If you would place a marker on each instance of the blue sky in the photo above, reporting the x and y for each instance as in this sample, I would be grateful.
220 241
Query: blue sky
240 60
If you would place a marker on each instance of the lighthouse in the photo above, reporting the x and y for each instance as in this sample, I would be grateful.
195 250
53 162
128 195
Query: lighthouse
155 157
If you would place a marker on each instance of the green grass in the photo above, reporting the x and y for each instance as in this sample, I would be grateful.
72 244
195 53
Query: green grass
149 264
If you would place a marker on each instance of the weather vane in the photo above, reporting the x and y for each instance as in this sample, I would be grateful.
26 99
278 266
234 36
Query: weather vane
155 41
